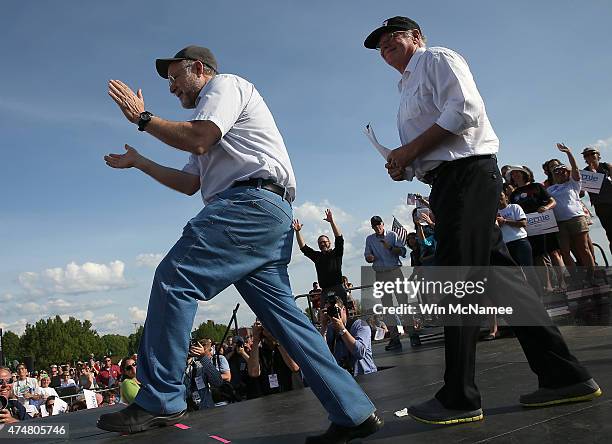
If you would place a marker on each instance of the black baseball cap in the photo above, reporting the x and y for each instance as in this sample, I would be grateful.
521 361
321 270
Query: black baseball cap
376 220
392 24
204 55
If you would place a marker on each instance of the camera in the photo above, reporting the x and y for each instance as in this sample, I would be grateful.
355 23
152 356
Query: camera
332 310
3 402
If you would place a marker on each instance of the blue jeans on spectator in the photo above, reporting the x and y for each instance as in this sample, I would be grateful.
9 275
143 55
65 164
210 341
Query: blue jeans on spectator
243 237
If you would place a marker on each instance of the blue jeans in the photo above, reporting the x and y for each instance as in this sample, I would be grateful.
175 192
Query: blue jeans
243 237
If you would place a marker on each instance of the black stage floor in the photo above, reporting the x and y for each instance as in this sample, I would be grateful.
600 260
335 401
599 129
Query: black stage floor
502 374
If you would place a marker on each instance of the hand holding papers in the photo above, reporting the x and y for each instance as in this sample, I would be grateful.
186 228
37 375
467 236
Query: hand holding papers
384 151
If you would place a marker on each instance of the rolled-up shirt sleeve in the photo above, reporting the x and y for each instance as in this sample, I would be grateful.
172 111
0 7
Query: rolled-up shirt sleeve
454 93
222 101
363 336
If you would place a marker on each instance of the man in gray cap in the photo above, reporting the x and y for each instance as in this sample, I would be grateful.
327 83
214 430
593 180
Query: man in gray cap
239 163
447 138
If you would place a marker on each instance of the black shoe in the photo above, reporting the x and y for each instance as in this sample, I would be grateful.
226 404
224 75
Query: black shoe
433 412
339 434
134 418
394 344
544 397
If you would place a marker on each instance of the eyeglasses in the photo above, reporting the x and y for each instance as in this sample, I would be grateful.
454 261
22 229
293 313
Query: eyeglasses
172 79
8 381
130 367
386 39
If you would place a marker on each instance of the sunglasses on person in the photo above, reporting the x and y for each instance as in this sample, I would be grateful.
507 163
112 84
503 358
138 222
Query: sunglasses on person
5 381
130 367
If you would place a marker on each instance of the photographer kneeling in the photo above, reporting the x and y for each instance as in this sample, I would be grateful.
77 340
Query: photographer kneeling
350 340
11 410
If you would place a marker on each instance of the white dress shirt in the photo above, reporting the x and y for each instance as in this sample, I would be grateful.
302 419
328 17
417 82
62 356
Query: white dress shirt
251 145
437 87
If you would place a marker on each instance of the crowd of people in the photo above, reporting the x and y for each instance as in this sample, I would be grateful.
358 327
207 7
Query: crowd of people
60 388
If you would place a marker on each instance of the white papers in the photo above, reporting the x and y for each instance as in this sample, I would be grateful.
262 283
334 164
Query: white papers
541 223
591 181
90 399
402 412
380 334
384 151
199 382
273 380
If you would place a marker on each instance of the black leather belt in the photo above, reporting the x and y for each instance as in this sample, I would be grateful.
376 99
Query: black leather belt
431 176
266 184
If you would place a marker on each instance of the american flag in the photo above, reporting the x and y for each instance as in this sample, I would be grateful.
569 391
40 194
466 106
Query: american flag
399 229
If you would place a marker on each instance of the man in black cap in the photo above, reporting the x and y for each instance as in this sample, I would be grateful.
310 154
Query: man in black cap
602 201
243 236
383 249
447 139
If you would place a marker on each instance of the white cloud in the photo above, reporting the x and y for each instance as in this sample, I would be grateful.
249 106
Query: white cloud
603 143
27 308
6 297
107 323
74 278
150 260
137 314
17 326
403 213
311 212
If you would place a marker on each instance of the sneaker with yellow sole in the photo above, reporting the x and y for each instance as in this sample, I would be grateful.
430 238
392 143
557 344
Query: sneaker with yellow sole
433 412
544 397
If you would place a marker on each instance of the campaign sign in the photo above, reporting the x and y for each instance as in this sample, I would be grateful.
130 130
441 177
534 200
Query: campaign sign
541 223
591 181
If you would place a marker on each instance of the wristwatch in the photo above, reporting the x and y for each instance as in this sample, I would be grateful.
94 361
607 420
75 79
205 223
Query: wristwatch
342 332
143 121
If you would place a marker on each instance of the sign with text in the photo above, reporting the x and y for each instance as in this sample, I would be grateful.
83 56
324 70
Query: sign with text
541 223
90 399
592 181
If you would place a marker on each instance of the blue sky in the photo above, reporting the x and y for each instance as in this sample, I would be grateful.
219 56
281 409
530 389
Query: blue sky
81 239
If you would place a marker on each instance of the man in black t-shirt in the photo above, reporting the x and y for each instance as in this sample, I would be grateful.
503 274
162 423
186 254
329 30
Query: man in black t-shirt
328 261
602 201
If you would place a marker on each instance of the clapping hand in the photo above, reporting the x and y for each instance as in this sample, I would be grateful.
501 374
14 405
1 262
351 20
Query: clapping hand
127 160
129 103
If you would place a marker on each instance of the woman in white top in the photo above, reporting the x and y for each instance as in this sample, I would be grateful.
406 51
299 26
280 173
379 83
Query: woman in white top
512 221
573 224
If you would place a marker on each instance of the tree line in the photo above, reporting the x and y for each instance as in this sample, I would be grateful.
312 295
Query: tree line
55 341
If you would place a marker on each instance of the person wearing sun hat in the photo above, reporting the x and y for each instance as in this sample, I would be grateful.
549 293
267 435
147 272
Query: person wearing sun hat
602 201
448 140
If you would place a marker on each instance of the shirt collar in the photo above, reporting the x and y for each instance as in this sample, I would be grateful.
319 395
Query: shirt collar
411 66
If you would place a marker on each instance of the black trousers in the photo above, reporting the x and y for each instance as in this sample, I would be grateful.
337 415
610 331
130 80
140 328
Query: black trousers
464 199
604 213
